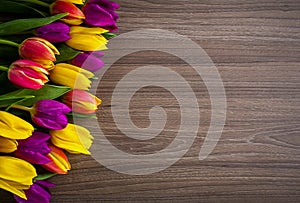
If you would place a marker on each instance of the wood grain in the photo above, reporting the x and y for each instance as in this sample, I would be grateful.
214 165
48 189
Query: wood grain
256 47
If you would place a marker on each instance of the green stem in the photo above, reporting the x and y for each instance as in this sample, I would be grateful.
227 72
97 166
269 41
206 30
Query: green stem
8 42
37 2
25 108
3 68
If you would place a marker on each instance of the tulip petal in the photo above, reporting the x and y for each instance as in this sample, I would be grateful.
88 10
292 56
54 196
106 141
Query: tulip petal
4 185
8 145
73 138
14 127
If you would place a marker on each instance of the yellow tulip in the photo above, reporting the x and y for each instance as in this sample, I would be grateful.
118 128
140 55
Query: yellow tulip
8 145
74 138
75 1
16 175
71 76
14 127
87 39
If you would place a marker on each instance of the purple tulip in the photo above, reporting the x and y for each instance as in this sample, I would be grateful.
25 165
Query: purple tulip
89 60
38 192
54 32
101 13
34 149
50 114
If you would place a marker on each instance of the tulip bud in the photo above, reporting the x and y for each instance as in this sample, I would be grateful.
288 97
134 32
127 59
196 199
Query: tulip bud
39 50
14 127
74 138
54 32
81 101
16 175
101 13
75 16
7 145
34 149
50 114
87 39
71 76
75 1
27 74
59 162
38 192
88 60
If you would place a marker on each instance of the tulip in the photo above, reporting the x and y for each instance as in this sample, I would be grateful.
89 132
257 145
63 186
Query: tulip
50 114
74 138
59 162
54 32
88 60
16 175
38 192
27 74
7 145
75 16
39 50
101 13
34 149
13 127
71 76
75 1
81 101
87 39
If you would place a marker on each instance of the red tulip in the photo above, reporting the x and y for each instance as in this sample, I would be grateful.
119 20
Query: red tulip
27 74
81 101
75 16
59 162
39 50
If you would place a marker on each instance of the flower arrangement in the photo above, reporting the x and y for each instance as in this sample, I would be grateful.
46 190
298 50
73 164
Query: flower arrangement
46 69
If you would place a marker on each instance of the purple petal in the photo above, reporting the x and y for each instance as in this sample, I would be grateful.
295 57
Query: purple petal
97 16
44 183
48 122
88 61
51 107
54 32
55 38
32 156
34 194
36 139
105 3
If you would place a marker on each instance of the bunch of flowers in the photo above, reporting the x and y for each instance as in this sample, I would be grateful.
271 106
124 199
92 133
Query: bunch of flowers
46 67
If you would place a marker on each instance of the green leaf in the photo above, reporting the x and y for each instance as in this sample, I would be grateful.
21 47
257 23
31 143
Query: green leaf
66 53
46 92
109 35
44 176
19 8
78 115
8 101
20 25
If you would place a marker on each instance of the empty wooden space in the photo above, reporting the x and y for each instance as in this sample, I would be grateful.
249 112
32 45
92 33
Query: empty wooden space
255 46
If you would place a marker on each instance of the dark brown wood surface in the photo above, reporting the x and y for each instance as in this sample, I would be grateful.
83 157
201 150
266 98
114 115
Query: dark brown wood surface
256 47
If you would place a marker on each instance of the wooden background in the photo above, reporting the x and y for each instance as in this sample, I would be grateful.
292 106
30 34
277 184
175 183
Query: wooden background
256 47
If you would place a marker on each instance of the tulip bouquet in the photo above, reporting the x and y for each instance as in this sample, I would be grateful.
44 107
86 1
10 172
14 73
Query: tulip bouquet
47 65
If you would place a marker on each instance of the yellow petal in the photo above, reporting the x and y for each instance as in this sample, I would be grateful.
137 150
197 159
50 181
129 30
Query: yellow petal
75 1
87 73
19 192
16 174
14 127
87 30
73 138
63 76
8 145
85 42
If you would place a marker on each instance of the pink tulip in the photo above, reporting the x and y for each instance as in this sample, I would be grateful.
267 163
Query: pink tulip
27 74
